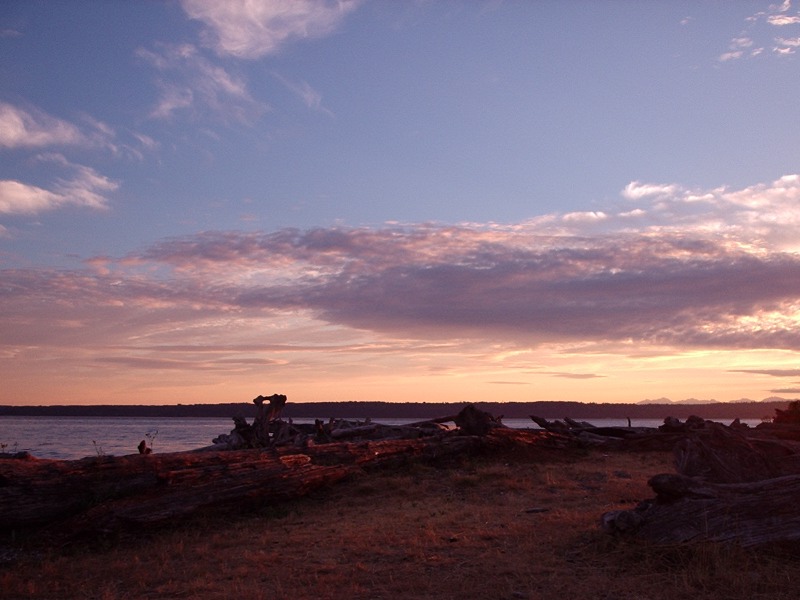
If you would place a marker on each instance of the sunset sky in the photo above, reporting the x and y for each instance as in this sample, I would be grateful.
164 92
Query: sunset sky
204 201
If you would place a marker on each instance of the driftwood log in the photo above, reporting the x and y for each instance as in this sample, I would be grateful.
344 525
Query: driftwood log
107 493
730 486
268 430
588 434
687 509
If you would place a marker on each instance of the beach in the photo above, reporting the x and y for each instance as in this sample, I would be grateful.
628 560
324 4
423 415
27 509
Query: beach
517 525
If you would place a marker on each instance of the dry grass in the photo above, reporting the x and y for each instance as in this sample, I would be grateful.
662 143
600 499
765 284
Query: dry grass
464 531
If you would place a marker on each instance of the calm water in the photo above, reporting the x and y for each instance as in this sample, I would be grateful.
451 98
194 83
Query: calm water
78 437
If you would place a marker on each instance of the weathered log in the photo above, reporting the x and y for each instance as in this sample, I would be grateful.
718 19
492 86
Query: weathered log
729 487
687 509
377 431
108 493
573 424
651 441
474 421
556 426
783 431
725 455
267 430
438 422
265 417
150 488
591 435
591 439
351 432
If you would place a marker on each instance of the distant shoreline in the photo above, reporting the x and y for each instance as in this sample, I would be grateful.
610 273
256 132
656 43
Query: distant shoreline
377 410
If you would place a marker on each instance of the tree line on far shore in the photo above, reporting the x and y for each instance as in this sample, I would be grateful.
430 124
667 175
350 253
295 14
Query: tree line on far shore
417 410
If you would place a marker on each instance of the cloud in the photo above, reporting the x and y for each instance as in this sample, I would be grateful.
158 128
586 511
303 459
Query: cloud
761 26
84 187
255 28
587 216
636 190
32 128
160 363
572 375
733 55
707 269
781 20
79 186
195 85
772 372
703 269
786 46
308 95
20 198
739 47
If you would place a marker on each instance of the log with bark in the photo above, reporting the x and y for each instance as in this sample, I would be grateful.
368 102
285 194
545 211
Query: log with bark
268 430
730 486
687 509
664 437
107 493
591 435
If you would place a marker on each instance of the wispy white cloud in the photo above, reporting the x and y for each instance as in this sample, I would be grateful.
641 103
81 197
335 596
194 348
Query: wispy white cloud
20 128
33 129
307 94
783 19
196 85
585 216
761 26
636 190
83 187
739 47
255 28
786 46
20 198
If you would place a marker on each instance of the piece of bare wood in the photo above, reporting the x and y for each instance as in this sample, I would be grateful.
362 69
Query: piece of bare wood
731 486
474 421
556 426
108 493
687 509
724 455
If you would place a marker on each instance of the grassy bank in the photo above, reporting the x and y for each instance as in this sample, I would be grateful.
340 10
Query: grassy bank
523 527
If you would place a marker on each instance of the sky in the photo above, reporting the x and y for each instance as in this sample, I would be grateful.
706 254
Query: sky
429 201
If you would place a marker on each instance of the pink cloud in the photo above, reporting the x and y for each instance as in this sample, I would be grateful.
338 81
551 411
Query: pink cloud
666 290
243 301
253 29
21 128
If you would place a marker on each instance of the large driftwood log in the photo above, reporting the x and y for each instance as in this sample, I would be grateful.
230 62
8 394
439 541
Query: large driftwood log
267 430
686 509
729 487
724 455
109 493
588 434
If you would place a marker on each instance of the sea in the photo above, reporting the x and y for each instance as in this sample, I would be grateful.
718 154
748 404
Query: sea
71 438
